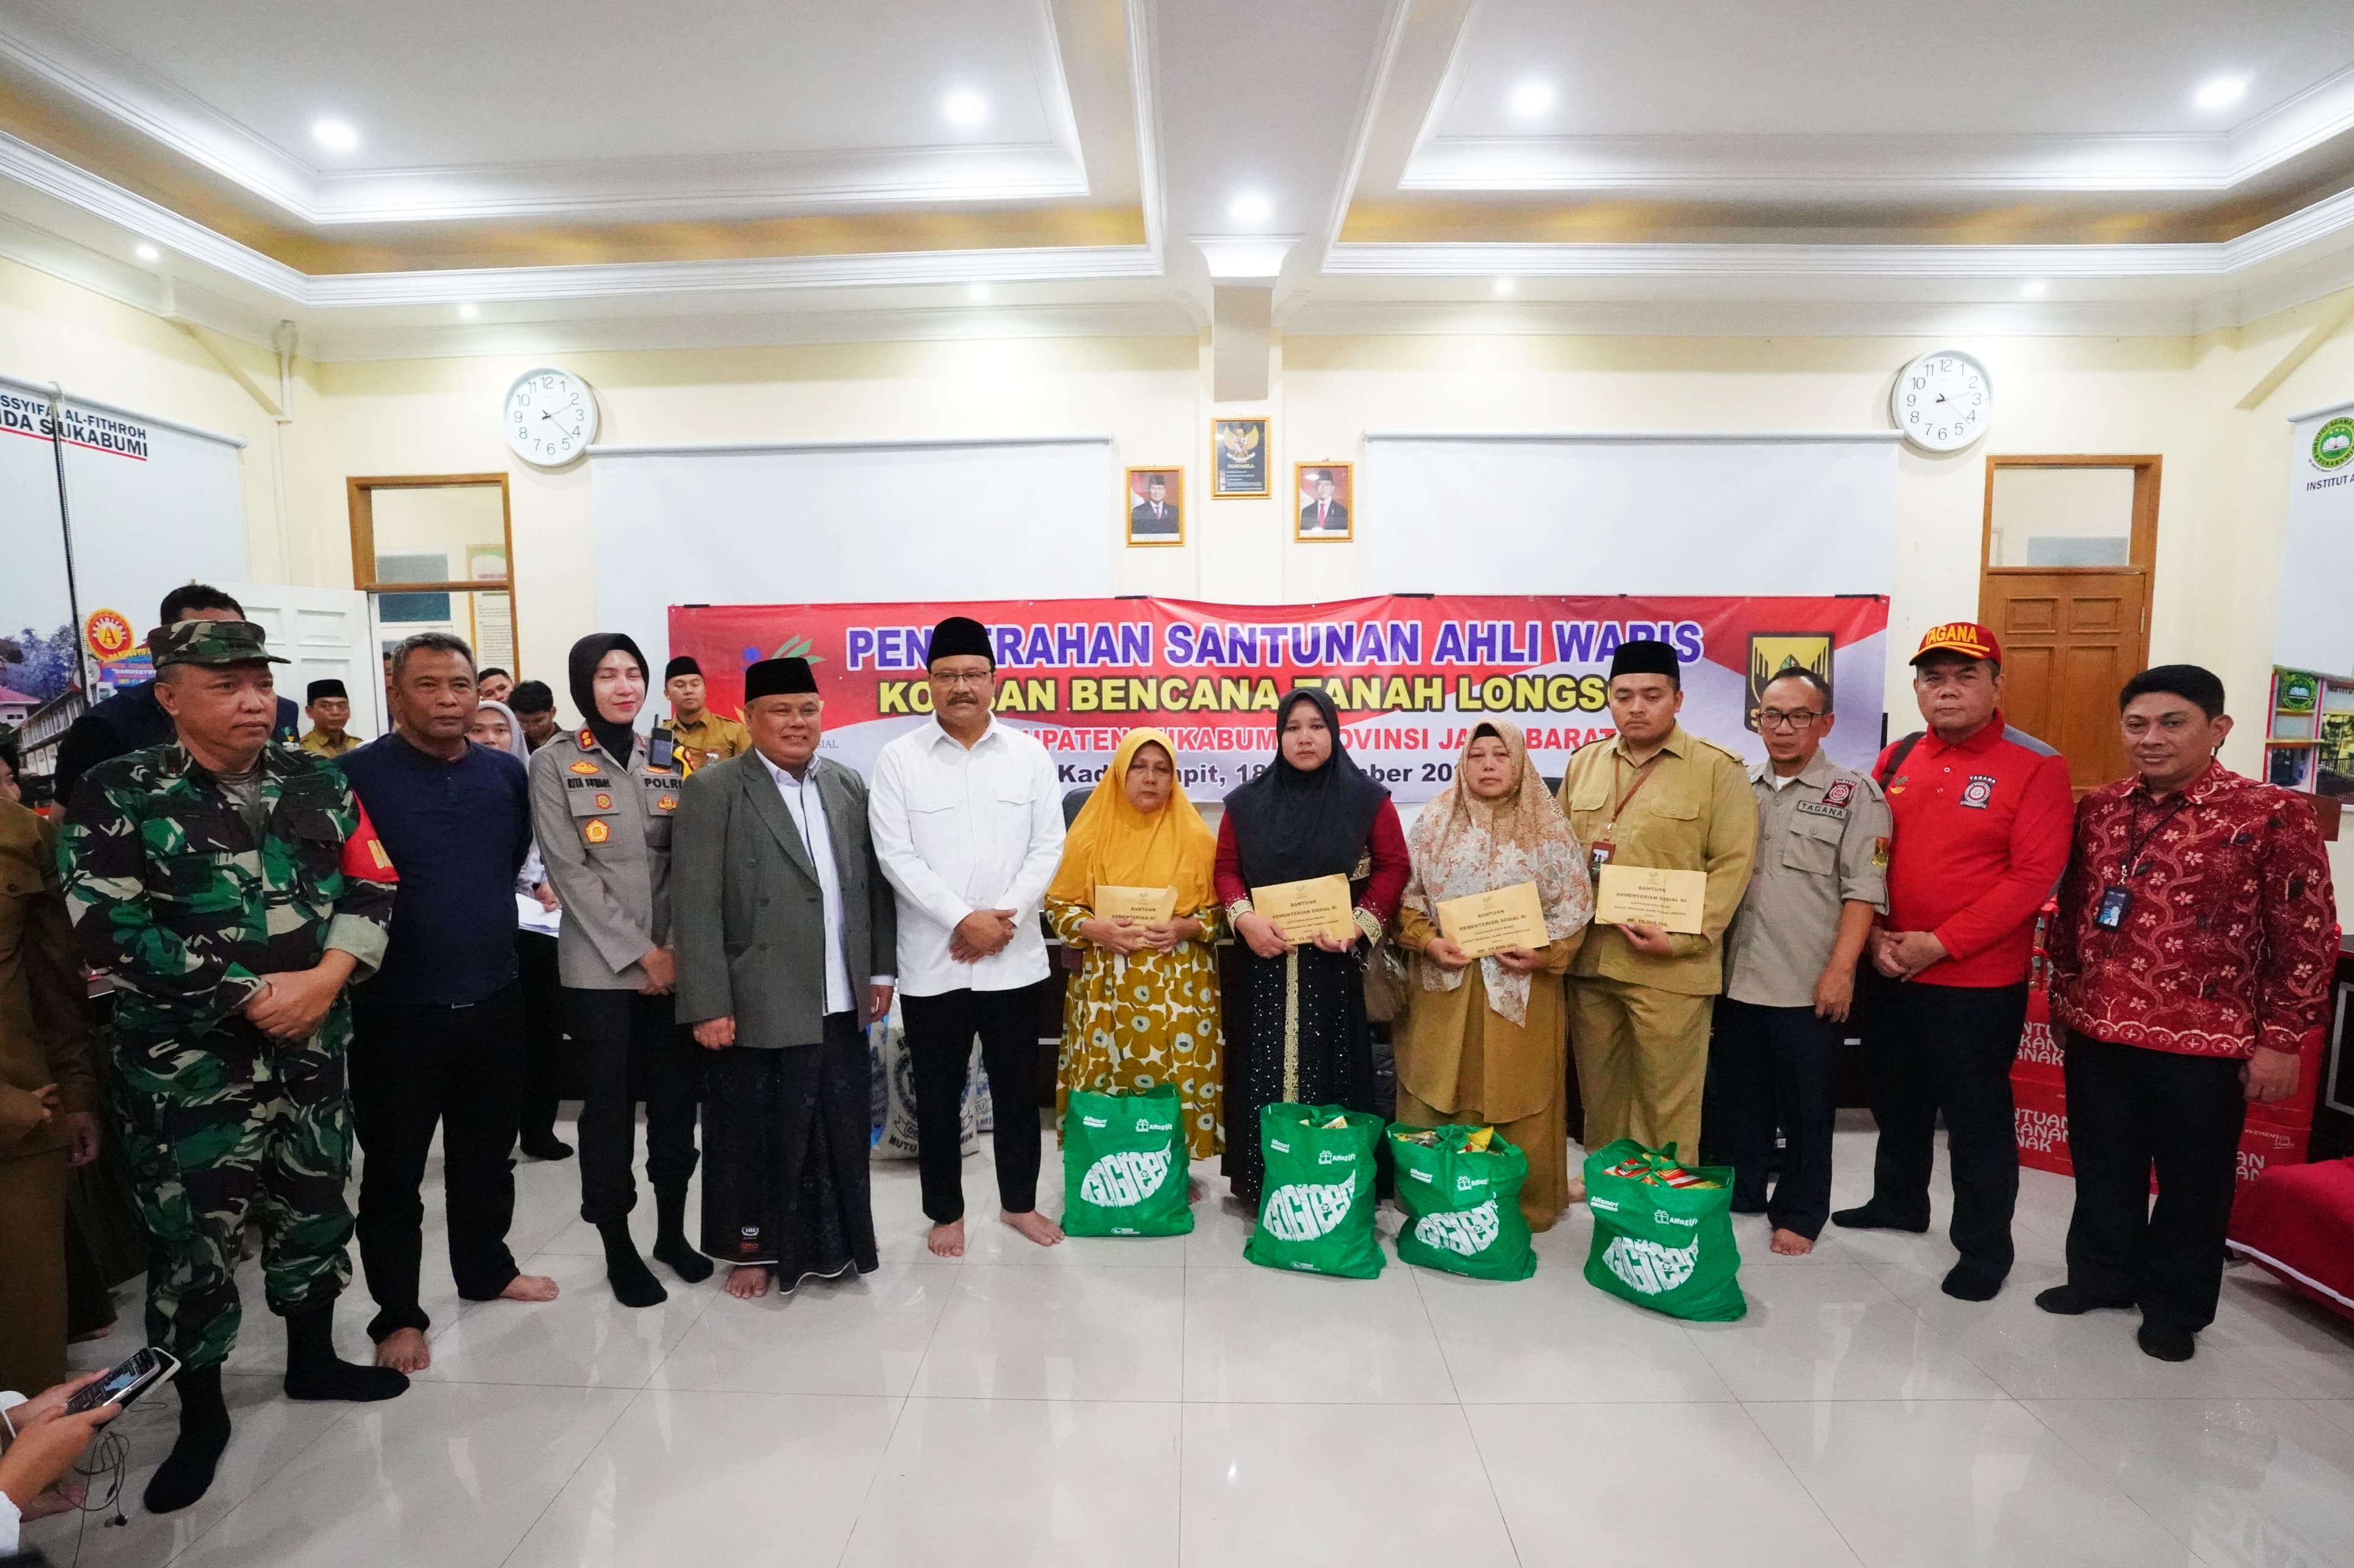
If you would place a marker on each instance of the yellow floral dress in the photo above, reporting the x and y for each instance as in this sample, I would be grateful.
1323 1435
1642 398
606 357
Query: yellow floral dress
1146 1018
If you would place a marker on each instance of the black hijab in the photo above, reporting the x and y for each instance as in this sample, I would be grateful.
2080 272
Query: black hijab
620 739
1290 824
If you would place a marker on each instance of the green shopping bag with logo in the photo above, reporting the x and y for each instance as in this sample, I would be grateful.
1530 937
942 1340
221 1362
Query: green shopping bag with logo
1124 1164
1316 1209
1660 1244
1463 1205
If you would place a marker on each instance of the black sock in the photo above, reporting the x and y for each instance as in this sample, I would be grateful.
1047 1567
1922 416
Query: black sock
186 1473
671 1245
634 1283
312 1371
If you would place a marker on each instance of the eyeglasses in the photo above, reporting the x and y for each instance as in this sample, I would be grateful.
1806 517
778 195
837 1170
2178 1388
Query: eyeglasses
1773 718
945 679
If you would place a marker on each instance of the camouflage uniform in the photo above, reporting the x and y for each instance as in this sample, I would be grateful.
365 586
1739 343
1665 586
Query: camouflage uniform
175 899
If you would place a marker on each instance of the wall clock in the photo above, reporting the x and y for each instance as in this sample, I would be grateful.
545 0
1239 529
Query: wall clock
549 416
1943 400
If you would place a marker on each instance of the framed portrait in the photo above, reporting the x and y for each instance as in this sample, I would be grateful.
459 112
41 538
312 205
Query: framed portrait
1240 459
1325 493
1156 506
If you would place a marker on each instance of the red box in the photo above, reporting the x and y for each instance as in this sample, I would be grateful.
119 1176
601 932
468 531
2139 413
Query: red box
2264 1145
2040 1115
2039 1057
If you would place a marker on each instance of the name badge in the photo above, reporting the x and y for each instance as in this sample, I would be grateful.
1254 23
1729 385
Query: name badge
1598 855
2115 901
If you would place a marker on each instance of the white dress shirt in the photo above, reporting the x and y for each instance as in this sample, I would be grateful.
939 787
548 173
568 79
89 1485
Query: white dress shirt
806 805
959 829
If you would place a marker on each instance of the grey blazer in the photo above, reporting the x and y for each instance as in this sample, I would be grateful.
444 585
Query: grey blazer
747 917
604 833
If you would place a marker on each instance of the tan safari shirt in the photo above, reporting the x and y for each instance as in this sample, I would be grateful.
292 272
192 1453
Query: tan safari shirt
714 738
1693 813
1822 843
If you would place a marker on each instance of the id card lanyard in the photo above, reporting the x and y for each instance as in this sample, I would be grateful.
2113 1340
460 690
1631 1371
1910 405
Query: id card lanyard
2117 899
1598 853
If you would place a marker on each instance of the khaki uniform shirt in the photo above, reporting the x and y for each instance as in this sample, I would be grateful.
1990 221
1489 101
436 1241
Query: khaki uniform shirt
603 827
711 739
45 1034
318 744
1693 813
1822 843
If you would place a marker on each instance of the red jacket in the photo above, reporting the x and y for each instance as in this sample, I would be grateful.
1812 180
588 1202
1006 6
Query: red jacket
2231 934
1981 837
1382 875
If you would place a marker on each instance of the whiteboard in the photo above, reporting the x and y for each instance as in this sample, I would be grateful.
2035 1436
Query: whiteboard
822 522
1656 514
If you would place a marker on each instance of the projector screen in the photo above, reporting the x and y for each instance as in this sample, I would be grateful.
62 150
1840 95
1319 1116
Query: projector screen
815 523
1647 515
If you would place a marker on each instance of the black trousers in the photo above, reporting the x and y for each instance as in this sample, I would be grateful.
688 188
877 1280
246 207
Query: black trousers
1769 1067
412 1068
785 1156
1930 1048
939 1040
632 1048
543 1014
2131 1110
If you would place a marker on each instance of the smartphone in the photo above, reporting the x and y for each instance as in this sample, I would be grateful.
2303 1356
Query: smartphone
126 1382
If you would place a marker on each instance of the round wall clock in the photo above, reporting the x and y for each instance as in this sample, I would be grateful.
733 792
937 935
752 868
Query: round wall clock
549 416
1943 400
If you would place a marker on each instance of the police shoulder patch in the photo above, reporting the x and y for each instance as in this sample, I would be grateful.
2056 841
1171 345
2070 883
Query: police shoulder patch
1840 792
596 830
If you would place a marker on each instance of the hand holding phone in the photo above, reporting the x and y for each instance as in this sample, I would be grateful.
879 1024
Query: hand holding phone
142 1371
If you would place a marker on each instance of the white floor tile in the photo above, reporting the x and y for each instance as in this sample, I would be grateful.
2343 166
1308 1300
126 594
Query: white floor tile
860 1335
1257 1334
1978 1482
1619 1500
753 1480
1052 1333
2253 1482
583 1339
1031 1481
1552 1337
1337 1484
450 1475
1834 1333
2340 1411
2303 1346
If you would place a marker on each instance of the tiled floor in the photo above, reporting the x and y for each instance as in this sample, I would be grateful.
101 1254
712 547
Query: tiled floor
1162 1403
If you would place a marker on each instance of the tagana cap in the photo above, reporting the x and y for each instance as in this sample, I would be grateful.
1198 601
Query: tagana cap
330 687
1966 639
1645 656
779 678
959 635
211 642
684 664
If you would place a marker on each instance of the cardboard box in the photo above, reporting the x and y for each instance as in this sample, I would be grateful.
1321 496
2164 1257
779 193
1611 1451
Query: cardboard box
2262 1146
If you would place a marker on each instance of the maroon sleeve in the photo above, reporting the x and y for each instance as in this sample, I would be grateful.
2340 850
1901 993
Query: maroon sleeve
1226 870
2300 931
1392 864
2038 853
2061 938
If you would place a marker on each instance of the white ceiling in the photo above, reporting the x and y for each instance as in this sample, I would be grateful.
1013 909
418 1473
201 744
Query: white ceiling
1734 166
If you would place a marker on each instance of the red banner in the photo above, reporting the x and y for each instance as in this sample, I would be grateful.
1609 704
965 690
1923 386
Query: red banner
1410 674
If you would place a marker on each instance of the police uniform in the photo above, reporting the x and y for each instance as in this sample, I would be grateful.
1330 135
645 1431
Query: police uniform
1638 1024
711 739
1822 843
603 826
186 907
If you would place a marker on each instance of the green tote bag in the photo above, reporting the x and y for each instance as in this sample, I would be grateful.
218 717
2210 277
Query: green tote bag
1462 1205
1316 1210
1668 1248
1124 1163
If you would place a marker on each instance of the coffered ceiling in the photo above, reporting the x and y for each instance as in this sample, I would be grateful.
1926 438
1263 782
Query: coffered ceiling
441 176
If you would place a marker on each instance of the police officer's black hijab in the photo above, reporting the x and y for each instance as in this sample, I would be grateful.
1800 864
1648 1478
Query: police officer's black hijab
1293 823
620 739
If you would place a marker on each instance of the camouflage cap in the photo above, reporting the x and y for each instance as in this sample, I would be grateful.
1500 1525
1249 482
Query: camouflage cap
210 642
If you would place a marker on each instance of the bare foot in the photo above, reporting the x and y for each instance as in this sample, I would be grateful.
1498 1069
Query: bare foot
747 1281
1790 1244
66 1494
529 1288
1034 1225
946 1239
404 1351
1577 1188
1193 1189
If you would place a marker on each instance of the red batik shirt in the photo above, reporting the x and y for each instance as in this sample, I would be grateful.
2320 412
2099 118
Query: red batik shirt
2231 934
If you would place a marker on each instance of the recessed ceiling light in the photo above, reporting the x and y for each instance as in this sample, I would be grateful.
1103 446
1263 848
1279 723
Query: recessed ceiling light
1250 206
2033 288
1530 98
978 292
965 108
468 312
335 135
1503 285
149 253
2220 91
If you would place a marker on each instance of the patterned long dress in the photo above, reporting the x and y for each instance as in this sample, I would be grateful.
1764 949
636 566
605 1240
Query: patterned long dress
1134 1020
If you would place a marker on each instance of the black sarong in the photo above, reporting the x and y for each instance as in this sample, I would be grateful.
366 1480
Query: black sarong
784 1156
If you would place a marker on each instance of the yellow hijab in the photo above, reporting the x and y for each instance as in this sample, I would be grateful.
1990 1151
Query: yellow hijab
1113 844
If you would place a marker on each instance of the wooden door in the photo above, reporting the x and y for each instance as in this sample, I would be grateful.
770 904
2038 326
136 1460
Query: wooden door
2070 639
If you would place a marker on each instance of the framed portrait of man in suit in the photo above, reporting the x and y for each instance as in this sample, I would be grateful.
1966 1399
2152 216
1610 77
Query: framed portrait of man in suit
1156 506
1324 491
1241 459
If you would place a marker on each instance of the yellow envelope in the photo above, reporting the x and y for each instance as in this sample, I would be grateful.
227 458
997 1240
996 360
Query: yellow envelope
1648 895
1144 905
1495 922
1303 910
